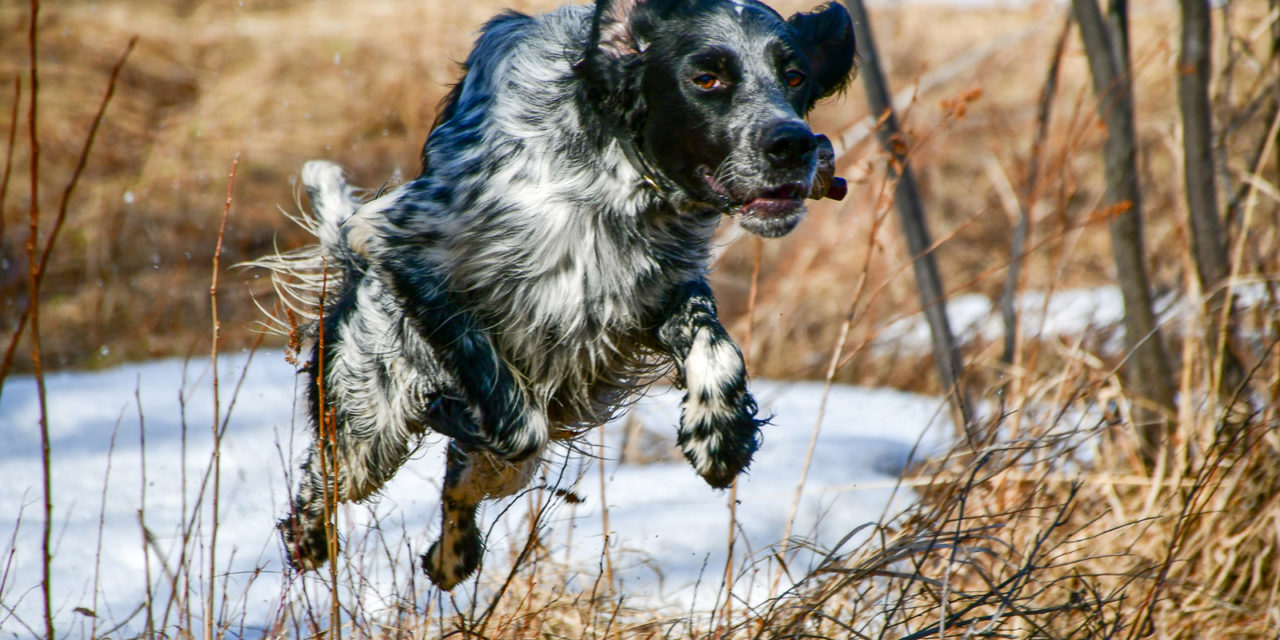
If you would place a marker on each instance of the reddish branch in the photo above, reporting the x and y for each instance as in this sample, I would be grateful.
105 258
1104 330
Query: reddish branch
39 269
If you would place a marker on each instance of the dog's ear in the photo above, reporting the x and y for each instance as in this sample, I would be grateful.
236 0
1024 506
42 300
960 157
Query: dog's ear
609 64
611 30
826 36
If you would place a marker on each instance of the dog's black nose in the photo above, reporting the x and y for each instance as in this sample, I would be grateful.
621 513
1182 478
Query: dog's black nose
789 143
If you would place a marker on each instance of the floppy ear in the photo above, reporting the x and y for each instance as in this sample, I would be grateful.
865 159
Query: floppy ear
610 64
611 32
826 36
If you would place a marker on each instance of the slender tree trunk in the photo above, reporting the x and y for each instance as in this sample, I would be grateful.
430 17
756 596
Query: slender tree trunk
1106 45
1208 241
907 200
1027 198
1197 144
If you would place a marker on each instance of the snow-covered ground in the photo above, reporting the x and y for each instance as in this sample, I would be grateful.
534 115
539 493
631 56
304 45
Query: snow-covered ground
131 446
1096 312
668 528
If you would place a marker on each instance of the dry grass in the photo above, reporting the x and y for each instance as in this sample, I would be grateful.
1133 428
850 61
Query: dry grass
281 82
1056 531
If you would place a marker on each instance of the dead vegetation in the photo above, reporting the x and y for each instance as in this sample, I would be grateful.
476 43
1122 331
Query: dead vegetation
278 83
1054 529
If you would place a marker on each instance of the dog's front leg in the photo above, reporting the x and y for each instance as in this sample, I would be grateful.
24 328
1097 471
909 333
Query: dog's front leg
719 430
495 414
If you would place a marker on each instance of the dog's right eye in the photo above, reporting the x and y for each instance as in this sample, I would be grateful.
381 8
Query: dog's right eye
708 82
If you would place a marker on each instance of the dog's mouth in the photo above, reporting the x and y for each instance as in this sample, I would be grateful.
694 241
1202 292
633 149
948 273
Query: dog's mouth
771 212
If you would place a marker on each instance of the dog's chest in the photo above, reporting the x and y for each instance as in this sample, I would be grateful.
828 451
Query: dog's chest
570 295
571 284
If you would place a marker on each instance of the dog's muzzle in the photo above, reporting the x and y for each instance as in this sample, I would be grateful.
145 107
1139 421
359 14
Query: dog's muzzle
776 210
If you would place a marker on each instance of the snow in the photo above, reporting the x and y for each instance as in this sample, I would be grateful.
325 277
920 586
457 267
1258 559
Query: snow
669 530
1096 311
973 317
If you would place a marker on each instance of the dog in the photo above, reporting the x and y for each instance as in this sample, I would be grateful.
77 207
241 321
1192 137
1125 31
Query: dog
550 261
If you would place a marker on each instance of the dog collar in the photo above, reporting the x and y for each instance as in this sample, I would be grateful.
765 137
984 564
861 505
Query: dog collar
653 178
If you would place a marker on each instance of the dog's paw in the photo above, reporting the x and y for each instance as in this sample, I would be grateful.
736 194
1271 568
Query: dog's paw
719 439
719 431
305 545
447 563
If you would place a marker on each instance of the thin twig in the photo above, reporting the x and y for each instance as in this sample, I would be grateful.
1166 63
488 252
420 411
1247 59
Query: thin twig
142 507
604 521
102 517
829 380
1237 257
1044 113
7 364
33 306
327 447
217 432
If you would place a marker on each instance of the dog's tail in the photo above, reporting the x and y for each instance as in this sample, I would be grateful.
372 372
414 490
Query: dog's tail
306 279
332 201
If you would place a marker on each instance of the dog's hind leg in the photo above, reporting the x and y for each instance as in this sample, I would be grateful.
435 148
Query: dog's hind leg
349 470
354 452
469 479
719 430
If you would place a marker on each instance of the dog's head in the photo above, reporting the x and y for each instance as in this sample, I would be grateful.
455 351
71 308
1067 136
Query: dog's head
711 96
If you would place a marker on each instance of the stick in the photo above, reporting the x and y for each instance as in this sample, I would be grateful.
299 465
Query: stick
7 363
33 312
217 433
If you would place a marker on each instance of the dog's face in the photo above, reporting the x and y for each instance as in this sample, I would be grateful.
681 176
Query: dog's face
713 94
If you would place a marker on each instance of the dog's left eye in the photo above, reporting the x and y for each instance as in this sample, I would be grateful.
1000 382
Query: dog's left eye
793 77
708 82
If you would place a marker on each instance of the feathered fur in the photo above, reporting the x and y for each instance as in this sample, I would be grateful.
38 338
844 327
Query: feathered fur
550 260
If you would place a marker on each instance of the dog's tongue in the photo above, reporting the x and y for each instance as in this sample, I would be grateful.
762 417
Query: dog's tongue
766 207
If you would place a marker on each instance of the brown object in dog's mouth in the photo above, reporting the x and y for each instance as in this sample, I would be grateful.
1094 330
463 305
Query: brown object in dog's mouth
826 184
838 190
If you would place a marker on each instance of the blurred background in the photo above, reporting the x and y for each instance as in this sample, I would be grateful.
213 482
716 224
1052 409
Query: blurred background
275 83
1080 498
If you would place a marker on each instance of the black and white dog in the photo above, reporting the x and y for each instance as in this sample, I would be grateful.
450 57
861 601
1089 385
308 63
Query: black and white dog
550 260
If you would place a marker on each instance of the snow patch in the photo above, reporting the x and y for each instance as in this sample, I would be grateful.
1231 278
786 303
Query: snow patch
667 527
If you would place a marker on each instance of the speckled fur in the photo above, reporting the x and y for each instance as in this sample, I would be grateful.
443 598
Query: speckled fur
547 264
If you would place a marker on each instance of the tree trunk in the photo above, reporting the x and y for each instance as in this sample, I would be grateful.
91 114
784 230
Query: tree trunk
906 197
1106 46
1208 241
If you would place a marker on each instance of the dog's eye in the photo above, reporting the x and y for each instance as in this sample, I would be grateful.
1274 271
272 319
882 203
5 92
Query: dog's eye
708 82
793 77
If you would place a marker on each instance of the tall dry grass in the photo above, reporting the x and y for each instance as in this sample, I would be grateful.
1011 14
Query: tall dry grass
283 82
1056 530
